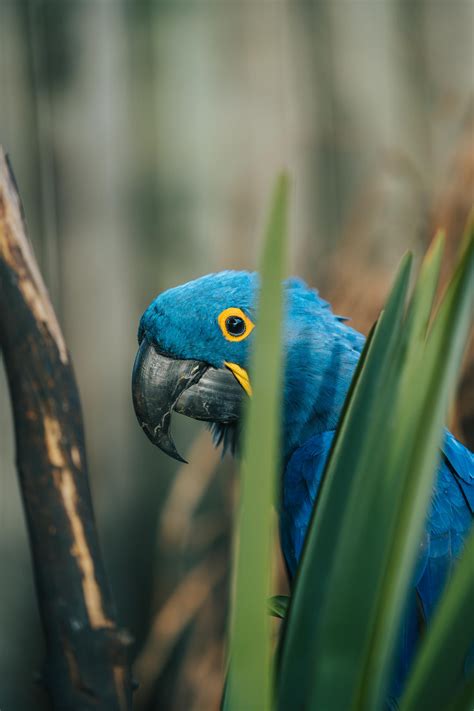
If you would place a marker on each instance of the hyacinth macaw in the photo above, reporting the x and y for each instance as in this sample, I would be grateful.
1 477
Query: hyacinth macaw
195 342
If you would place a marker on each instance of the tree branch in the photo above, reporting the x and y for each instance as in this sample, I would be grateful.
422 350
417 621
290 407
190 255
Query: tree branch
87 665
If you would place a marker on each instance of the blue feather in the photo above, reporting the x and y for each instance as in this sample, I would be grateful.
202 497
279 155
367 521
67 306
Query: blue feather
321 353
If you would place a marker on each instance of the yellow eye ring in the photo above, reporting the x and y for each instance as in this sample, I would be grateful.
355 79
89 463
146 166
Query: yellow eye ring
234 324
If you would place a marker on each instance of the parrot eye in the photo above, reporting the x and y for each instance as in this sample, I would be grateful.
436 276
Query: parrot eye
235 325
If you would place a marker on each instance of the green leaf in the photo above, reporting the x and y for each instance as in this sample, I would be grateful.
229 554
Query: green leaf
464 700
278 606
438 671
422 301
250 678
301 653
362 545
427 383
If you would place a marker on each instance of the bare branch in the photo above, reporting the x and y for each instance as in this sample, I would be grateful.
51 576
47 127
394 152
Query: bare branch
87 665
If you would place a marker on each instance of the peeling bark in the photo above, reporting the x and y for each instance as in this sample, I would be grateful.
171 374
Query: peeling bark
87 665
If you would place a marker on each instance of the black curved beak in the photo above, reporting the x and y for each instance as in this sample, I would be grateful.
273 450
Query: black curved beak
161 384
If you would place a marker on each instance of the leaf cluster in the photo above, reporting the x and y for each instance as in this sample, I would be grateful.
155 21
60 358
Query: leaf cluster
349 596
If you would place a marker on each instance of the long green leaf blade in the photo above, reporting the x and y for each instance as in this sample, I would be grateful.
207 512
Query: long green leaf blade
464 701
250 679
422 301
429 377
363 541
300 654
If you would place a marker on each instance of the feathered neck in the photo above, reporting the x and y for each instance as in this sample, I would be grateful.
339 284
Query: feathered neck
321 354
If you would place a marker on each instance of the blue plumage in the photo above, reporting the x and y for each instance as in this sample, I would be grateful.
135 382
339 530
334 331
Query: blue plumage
449 520
321 354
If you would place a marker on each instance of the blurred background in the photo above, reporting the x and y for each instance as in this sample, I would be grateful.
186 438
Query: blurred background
145 136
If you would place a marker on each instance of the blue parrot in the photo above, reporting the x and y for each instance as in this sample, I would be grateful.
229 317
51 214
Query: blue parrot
195 341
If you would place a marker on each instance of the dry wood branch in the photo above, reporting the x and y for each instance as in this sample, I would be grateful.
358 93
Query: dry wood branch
86 664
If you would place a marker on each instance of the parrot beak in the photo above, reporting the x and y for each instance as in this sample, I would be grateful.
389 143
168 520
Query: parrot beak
161 384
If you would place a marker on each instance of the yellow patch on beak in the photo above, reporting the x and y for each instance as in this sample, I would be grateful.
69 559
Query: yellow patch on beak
241 375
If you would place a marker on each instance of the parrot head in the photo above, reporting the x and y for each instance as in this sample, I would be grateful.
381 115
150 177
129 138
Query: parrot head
195 342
